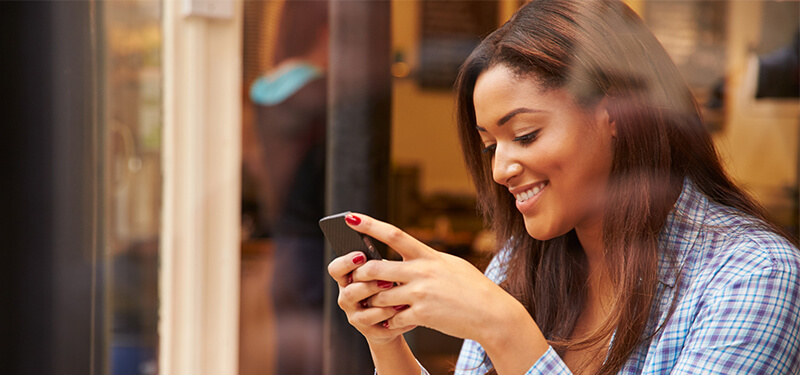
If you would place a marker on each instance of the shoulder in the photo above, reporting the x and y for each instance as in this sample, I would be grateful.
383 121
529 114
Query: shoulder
738 298
724 255
286 81
735 245
745 296
741 276
714 244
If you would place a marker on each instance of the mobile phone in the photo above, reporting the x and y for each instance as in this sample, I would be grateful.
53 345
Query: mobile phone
344 239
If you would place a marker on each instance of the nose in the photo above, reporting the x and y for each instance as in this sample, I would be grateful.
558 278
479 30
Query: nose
504 167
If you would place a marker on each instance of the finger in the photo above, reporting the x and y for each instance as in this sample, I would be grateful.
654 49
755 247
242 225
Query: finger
386 270
367 317
399 322
341 267
358 294
395 297
406 245
378 331
403 319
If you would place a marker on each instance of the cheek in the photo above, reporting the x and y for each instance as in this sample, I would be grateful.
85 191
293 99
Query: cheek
590 161
589 188
579 176
548 157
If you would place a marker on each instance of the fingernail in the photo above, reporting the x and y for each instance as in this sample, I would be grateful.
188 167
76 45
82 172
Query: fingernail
385 324
359 258
352 219
350 278
400 307
385 284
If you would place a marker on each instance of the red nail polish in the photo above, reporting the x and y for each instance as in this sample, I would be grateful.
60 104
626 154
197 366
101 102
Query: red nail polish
352 220
364 304
350 278
359 258
385 284
385 324
400 307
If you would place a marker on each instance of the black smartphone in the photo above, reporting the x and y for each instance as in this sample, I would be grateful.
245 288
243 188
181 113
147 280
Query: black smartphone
344 239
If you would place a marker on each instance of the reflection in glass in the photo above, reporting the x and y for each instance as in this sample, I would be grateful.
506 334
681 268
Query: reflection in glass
132 56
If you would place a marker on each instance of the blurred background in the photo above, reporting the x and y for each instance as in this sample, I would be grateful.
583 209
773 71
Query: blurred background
166 164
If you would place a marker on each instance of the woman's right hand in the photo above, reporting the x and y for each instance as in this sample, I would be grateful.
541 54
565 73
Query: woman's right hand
368 320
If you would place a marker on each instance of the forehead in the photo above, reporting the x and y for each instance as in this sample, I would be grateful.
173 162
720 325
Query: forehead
503 81
500 90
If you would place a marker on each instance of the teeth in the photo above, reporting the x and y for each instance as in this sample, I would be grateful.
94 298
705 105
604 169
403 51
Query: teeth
528 194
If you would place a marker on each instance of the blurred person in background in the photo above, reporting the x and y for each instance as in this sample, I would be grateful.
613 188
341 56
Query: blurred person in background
291 102
626 248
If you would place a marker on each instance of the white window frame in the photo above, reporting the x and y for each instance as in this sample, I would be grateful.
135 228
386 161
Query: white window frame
200 241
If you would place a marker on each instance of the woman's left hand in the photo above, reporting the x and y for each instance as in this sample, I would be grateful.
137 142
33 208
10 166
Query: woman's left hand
435 289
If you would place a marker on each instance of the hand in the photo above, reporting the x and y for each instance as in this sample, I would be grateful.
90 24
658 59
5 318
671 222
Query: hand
353 300
433 289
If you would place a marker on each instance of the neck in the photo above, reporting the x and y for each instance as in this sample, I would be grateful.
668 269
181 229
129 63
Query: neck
591 239
599 281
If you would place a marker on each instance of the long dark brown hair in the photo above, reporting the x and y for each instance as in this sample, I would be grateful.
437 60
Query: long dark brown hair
598 49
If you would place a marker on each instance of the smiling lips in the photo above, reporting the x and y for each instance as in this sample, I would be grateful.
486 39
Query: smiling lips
530 193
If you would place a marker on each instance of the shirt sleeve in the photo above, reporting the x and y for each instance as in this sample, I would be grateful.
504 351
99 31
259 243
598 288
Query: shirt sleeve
549 363
747 326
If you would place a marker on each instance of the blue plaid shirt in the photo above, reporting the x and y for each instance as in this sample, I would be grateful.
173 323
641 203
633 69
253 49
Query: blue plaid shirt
738 300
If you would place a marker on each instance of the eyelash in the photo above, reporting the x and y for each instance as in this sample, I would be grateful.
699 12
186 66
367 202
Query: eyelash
527 138
523 140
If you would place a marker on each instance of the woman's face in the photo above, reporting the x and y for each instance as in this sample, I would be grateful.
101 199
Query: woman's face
554 157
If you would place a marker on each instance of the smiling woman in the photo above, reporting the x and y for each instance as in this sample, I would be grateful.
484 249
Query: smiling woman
553 156
626 247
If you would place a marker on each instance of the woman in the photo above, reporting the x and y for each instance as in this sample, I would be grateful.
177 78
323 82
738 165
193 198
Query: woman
627 249
290 123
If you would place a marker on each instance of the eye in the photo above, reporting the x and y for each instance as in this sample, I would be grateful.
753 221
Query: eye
489 149
527 138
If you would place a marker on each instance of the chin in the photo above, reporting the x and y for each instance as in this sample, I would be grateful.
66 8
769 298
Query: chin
539 234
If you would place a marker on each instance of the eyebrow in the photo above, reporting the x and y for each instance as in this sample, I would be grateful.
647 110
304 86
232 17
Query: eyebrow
503 120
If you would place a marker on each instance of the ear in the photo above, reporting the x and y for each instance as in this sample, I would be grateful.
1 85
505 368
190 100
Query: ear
603 118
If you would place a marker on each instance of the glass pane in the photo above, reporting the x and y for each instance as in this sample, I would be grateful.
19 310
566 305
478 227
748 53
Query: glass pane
736 58
132 55
284 113
431 196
